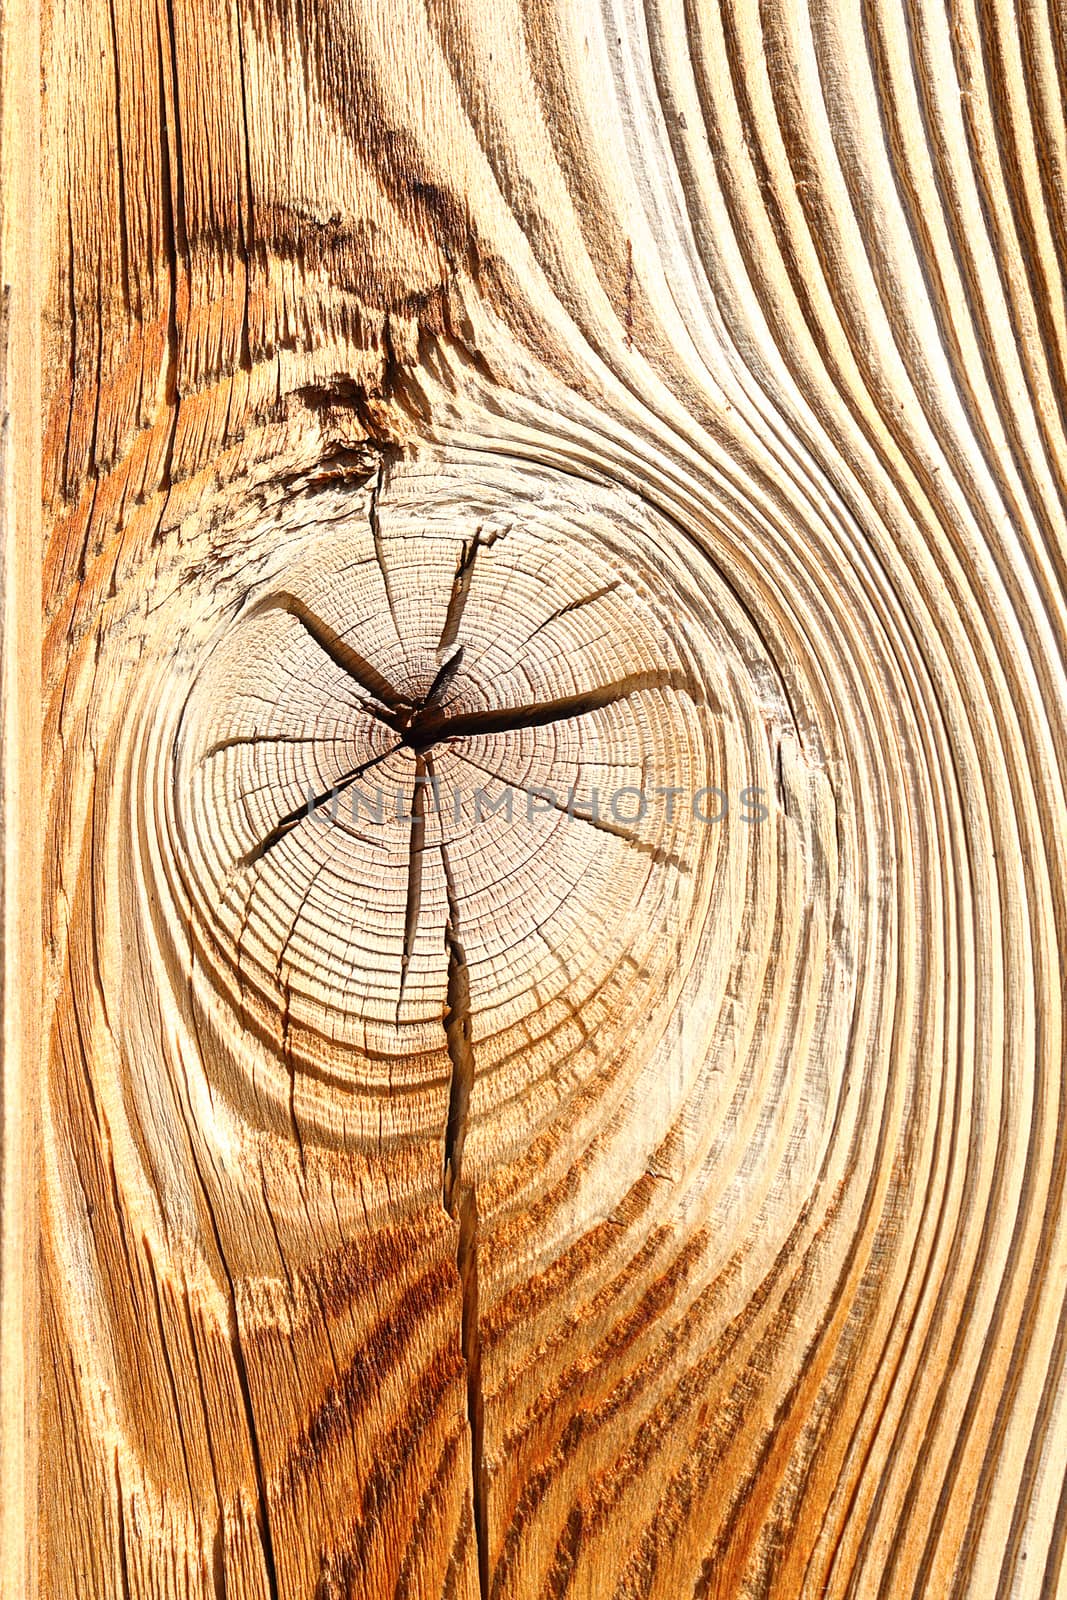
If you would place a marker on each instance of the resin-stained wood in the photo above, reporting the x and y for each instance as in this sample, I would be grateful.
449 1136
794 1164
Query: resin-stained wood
553 810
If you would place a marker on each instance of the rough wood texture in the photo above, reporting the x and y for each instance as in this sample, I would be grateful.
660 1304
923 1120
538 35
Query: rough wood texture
20 786
590 397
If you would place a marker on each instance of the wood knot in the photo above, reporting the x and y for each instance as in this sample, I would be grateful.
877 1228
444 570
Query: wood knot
470 720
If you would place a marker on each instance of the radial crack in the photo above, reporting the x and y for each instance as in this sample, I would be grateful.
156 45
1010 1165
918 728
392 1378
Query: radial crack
617 830
460 1048
575 605
461 587
416 846
339 651
238 739
460 1201
292 819
509 719
374 516
445 673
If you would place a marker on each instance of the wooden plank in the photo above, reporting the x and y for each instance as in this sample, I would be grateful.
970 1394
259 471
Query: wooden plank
20 787
553 777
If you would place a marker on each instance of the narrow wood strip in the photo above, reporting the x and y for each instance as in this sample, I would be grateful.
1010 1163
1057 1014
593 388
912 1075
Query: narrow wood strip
20 785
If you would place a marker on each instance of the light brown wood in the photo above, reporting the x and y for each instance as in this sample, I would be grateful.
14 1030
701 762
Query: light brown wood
20 788
655 1188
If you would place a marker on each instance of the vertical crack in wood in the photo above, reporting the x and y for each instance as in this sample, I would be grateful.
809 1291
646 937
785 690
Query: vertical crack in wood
124 1552
259 1471
174 233
120 164
461 1202
375 520
247 232
244 1383
416 846
457 600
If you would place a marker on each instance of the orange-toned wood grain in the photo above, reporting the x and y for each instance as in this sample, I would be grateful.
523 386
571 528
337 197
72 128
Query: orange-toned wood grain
565 1209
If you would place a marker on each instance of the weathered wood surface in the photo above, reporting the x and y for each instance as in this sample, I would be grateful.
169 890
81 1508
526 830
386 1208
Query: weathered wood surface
20 787
586 396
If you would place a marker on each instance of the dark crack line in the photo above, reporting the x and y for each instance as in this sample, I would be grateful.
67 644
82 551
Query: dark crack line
292 819
460 1201
395 723
237 1349
461 588
467 1264
416 846
505 595
375 519
445 673
573 605
339 651
429 729
458 1036
239 739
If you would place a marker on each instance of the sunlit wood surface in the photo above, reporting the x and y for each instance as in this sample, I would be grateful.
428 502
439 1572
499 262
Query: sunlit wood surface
584 1202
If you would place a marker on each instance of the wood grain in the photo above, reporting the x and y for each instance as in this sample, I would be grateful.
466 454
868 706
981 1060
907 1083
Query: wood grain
591 1201
21 292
